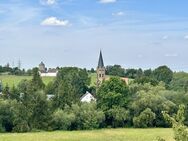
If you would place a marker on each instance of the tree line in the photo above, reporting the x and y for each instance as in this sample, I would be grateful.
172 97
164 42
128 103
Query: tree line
26 107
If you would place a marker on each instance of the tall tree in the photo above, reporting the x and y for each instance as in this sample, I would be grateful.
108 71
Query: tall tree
36 81
163 73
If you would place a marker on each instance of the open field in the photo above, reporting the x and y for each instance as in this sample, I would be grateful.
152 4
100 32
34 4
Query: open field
14 80
93 77
95 135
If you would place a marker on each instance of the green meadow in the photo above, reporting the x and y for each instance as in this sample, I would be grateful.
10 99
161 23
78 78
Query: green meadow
14 80
93 135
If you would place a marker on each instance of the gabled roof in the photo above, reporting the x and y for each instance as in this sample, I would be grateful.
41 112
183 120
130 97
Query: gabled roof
100 63
52 70
87 93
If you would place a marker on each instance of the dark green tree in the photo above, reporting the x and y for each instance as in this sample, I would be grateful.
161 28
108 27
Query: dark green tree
112 98
36 81
115 70
70 85
41 111
163 73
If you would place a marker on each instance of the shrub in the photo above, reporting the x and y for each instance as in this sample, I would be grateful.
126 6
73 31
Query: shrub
62 120
145 119
87 116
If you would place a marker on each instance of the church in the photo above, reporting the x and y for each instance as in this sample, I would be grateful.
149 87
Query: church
101 72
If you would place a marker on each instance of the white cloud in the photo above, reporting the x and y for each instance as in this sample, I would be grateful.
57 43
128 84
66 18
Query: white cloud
107 1
171 55
48 2
186 37
53 21
165 37
118 13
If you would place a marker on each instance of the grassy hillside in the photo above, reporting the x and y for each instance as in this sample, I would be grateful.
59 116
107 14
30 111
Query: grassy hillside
95 135
93 77
14 80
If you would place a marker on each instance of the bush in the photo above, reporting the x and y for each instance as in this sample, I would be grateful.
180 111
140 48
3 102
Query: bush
62 120
119 116
87 116
21 127
180 130
145 119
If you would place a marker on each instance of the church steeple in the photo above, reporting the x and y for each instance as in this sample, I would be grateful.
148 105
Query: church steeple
100 63
100 70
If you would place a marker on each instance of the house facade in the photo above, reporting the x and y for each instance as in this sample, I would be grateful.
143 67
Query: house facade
87 97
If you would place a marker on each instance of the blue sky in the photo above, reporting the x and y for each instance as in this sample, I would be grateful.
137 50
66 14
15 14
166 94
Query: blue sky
132 33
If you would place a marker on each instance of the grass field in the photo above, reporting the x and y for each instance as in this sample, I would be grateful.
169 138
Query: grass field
95 135
14 80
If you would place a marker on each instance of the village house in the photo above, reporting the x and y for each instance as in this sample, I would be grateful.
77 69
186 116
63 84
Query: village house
87 97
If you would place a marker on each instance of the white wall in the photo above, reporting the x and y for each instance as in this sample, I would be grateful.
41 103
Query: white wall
48 74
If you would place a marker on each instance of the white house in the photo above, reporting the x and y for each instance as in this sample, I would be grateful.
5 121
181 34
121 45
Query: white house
87 97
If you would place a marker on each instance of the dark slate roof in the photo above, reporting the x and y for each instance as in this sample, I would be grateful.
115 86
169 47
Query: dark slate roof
100 63
52 70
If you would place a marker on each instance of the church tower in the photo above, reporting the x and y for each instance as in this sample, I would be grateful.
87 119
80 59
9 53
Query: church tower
100 70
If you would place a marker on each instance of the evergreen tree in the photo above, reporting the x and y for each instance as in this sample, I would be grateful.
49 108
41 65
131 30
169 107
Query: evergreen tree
36 81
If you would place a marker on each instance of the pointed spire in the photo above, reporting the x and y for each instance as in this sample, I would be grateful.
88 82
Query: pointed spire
100 63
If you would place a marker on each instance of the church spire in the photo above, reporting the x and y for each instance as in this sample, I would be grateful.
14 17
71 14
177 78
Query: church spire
100 70
100 63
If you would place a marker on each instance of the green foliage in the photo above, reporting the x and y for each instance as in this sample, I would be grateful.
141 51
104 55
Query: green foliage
115 70
7 114
133 73
21 121
153 98
119 116
113 97
41 111
36 81
65 95
146 79
180 130
179 82
70 85
24 107
163 73
62 120
49 89
76 77
145 119
87 116
112 93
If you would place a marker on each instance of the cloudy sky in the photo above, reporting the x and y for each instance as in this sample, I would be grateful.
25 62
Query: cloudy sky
132 33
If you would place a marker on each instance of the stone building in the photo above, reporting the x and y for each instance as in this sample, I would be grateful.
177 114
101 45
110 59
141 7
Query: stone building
42 68
101 71
43 71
